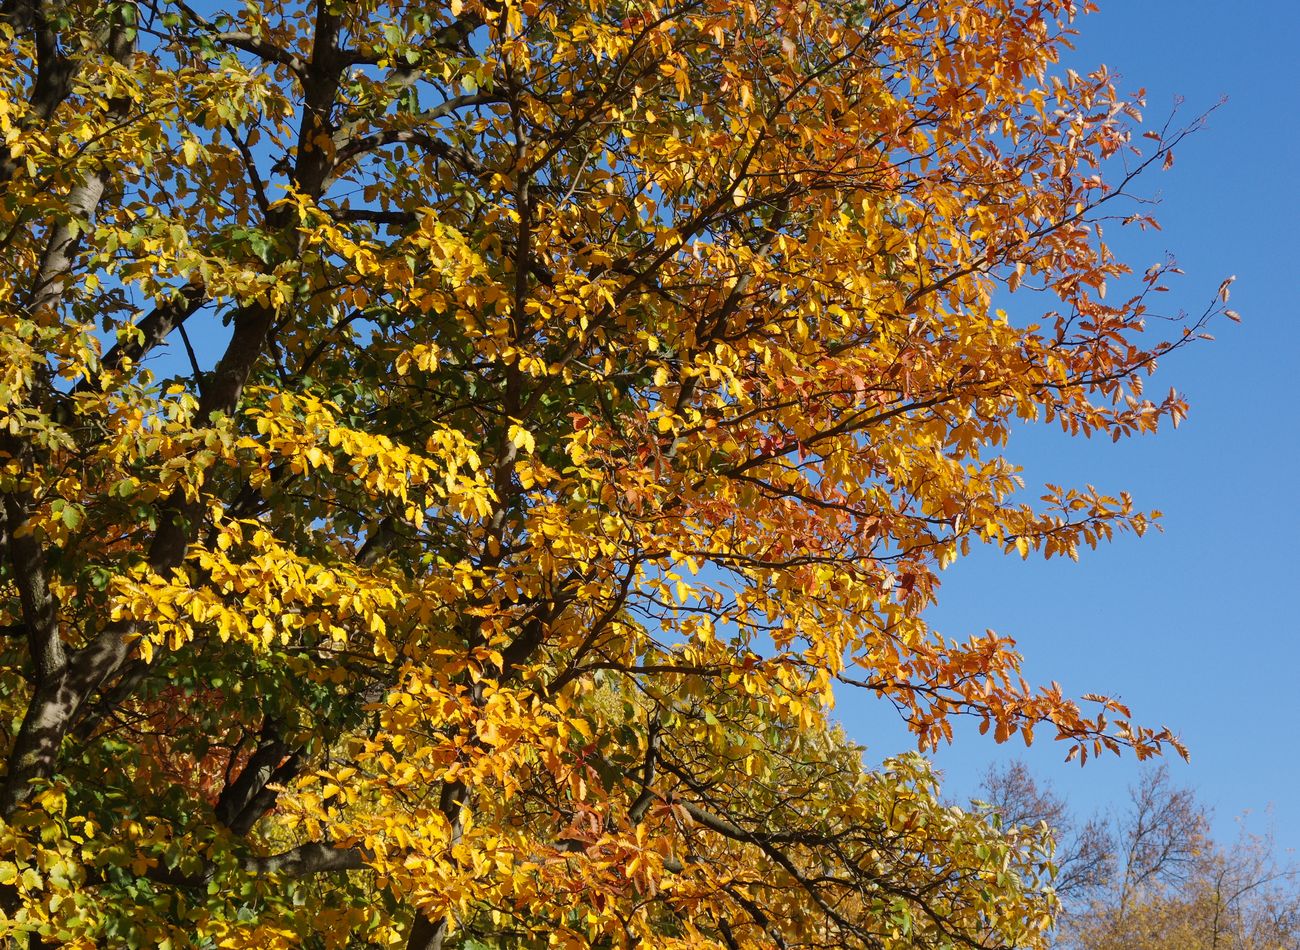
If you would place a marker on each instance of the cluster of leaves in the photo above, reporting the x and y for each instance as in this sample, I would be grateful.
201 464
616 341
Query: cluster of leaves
449 455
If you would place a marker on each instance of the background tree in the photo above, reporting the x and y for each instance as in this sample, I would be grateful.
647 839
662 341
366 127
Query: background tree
1150 876
1084 853
566 397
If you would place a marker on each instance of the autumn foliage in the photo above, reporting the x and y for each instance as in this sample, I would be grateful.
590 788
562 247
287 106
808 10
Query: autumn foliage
451 453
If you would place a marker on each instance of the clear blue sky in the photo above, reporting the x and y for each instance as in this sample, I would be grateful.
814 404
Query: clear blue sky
1196 627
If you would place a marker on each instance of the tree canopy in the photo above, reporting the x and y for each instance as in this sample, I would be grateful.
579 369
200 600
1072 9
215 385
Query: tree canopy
450 453
1152 877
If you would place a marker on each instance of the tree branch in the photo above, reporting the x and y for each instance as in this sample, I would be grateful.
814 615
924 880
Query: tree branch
302 861
152 330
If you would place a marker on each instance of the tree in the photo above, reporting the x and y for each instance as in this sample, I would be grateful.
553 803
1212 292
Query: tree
1156 878
1084 854
451 454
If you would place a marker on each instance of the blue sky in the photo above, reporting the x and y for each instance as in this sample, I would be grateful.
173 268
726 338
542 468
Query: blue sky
1193 627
